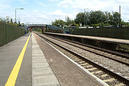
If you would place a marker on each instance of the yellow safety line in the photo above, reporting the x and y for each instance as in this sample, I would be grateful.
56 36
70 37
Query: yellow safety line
13 75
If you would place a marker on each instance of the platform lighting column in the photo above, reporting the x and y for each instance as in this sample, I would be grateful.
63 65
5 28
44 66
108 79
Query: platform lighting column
16 13
120 16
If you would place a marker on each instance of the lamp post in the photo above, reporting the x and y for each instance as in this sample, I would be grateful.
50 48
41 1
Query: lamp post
120 16
85 17
16 13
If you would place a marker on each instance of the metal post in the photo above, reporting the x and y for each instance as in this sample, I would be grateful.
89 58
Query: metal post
15 15
120 16
84 17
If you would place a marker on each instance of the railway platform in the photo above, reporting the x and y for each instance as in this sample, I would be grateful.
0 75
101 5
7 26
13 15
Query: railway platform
31 61
13 73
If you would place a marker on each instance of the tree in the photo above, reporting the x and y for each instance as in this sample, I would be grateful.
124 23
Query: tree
59 23
116 18
86 18
69 22
107 17
22 24
80 18
7 19
11 21
97 17
19 23
94 18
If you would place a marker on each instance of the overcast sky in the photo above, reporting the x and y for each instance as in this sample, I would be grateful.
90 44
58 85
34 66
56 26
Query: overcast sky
46 11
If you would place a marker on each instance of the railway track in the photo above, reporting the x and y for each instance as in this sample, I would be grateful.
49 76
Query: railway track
124 59
108 76
82 42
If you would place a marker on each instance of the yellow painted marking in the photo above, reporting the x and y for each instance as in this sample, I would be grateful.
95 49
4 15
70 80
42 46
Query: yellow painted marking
13 75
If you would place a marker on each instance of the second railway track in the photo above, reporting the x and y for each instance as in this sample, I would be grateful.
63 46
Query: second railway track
105 53
110 77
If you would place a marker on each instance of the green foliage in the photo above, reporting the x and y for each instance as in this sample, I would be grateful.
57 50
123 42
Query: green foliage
59 23
92 18
123 47
69 22
95 18
124 24
116 18
80 18
11 21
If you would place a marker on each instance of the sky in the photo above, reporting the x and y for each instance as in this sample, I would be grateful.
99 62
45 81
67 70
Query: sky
46 11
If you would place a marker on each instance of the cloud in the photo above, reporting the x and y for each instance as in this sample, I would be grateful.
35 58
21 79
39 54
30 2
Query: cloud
53 0
104 5
34 16
65 3
4 5
58 12
92 4
45 11
42 4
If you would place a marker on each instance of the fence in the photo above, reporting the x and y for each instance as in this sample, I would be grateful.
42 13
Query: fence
111 32
120 33
9 32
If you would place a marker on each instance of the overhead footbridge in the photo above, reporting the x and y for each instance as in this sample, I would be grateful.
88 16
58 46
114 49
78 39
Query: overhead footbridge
41 26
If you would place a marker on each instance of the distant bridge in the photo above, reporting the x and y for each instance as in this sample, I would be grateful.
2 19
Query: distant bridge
31 26
35 25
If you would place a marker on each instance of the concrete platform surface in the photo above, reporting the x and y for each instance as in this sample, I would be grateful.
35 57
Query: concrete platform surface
9 54
112 40
42 75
